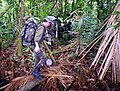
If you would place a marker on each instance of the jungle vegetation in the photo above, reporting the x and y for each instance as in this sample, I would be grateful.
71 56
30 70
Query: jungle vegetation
94 46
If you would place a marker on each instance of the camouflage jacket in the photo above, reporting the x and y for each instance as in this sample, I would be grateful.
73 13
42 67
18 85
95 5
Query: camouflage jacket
43 34
40 33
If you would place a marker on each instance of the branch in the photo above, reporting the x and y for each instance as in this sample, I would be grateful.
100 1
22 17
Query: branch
49 51
5 11
63 51
53 6
29 85
36 82
52 75
92 43
95 42
4 86
74 12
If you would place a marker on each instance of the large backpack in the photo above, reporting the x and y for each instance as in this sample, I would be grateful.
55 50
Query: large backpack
28 33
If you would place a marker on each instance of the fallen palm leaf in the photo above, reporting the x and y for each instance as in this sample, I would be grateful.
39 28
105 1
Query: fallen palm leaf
109 50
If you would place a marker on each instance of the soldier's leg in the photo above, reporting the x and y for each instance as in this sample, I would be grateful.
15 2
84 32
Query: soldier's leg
39 63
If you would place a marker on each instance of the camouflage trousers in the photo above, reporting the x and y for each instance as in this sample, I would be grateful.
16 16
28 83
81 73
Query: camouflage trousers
40 57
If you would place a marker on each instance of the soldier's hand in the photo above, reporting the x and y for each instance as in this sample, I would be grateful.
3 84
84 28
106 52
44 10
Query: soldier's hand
37 48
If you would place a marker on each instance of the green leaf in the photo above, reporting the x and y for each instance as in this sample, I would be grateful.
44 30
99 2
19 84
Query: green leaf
30 60
27 49
54 52
116 12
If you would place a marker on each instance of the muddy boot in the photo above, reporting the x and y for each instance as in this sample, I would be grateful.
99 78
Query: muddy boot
36 74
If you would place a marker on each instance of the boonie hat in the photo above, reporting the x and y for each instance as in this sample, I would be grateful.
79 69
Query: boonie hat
50 18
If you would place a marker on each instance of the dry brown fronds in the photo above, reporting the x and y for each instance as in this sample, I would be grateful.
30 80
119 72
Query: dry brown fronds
109 50
18 82
57 78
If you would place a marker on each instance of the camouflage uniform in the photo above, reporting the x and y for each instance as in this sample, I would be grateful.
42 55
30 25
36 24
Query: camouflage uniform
40 58
39 37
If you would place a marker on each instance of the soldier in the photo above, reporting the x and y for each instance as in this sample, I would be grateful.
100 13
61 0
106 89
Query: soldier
33 35
43 32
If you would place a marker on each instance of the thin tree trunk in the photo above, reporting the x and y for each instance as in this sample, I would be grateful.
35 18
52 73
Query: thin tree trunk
19 45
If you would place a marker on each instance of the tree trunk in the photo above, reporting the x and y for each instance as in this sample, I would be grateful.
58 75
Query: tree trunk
19 45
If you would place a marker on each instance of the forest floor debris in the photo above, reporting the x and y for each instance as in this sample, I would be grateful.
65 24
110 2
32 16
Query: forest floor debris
67 74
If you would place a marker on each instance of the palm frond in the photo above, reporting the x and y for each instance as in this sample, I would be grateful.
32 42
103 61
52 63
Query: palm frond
109 49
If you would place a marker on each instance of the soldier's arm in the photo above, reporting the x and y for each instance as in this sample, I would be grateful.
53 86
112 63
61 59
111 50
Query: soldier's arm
39 34
38 37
